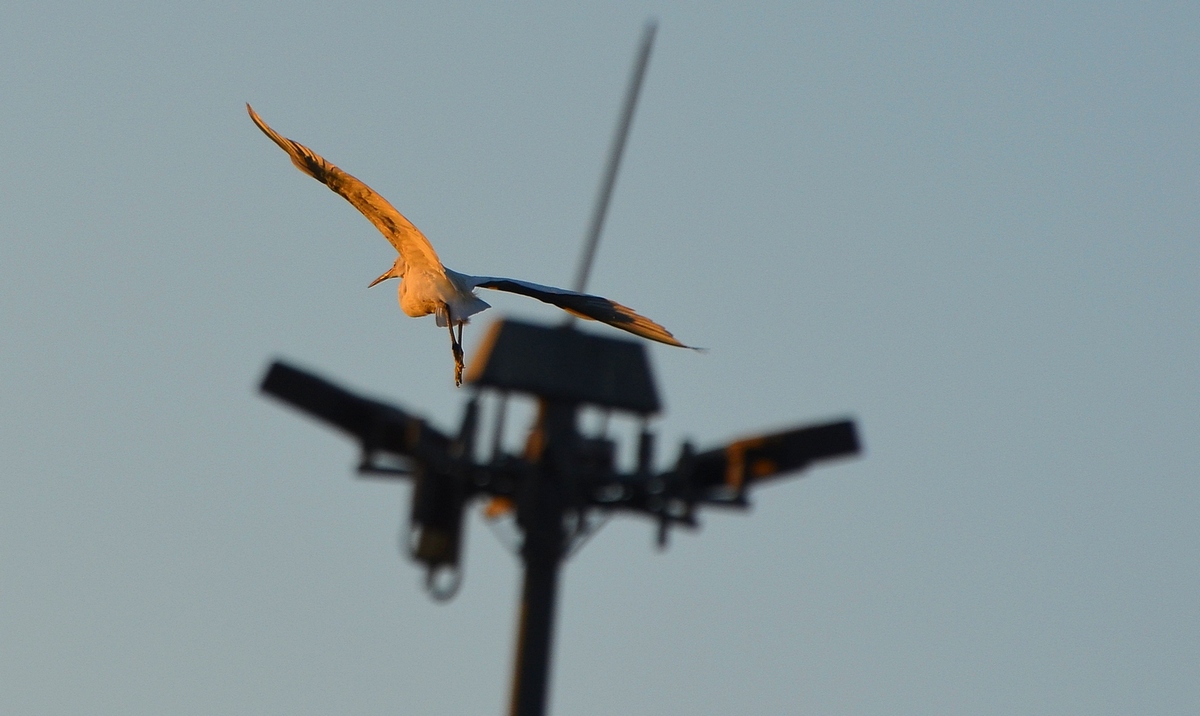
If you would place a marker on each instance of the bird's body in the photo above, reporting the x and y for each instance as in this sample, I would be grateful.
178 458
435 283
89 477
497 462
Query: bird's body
427 286
443 292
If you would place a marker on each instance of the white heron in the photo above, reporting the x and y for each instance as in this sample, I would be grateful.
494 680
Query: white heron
426 286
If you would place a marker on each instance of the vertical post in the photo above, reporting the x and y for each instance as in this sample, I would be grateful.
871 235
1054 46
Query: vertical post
531 677
540 514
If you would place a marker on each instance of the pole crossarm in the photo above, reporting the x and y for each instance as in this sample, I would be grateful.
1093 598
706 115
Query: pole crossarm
378 426
719 476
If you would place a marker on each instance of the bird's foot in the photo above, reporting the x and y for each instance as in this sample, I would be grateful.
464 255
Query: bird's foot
458 365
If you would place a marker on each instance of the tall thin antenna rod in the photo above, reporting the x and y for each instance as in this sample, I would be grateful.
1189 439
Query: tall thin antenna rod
614 159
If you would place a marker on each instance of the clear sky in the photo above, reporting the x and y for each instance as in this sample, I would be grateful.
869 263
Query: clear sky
974 230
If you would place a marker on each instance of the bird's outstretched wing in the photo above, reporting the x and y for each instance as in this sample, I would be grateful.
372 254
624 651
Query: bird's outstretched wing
593 308
408 239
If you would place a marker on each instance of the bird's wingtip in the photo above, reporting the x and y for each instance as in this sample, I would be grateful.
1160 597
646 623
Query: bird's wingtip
266 129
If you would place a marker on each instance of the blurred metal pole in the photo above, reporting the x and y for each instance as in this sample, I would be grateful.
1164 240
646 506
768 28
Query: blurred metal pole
600 210
532 674
540 514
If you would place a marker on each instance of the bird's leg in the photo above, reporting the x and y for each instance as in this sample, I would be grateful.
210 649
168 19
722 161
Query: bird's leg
455 348
458 358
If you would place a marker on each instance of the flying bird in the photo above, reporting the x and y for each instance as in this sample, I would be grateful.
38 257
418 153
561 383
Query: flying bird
426 286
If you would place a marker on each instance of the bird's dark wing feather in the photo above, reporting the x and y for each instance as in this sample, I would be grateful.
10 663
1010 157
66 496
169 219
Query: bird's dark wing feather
408 239
584 305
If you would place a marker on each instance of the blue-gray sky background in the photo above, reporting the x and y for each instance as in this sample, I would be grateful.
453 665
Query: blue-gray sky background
975 230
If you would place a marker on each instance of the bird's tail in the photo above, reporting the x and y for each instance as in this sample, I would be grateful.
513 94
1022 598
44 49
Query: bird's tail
462 309
465 303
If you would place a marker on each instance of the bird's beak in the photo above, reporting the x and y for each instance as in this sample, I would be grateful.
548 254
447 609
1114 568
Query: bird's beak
382 278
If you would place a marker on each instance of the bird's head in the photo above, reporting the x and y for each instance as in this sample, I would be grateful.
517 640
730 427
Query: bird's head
396 271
